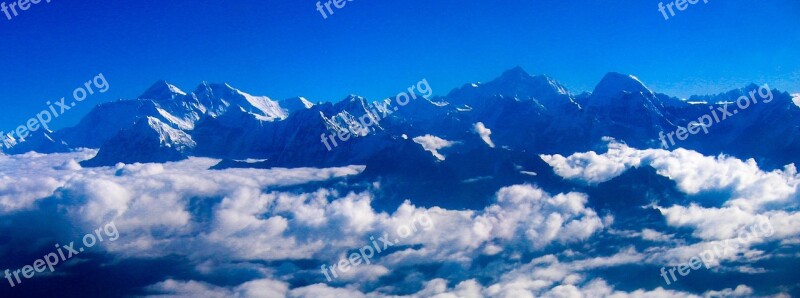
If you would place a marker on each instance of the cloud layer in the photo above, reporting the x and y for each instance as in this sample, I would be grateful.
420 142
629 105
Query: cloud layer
273 235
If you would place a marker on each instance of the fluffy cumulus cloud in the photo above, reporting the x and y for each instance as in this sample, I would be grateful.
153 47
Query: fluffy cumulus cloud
214 217
539 217
592 167
759 206
278 226
751 188
32 176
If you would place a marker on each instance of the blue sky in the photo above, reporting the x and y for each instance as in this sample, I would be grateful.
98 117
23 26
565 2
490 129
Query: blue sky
377 48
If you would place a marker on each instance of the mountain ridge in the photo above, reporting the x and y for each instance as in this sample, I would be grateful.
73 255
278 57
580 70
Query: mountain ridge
524 112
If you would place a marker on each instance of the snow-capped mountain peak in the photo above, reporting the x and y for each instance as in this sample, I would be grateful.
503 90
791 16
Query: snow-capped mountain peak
266 109
220 121
218 98
162 90
167 135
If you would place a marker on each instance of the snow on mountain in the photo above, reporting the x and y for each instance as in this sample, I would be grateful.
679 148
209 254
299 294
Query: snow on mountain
169 137
348 120
525 113
185 121
171 106
41 141
218 98
269 110
149 140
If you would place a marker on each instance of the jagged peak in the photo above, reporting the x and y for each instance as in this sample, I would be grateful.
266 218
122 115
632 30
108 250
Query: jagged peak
162 90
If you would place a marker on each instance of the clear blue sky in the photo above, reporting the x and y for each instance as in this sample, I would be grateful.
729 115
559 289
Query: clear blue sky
377 48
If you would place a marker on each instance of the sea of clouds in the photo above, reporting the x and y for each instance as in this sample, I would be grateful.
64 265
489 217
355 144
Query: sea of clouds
261 227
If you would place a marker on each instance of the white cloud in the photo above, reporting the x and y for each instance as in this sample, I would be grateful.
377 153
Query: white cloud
324 291
432 144
740 291
243 220
542 218
592 167
694 173
484 132
719 224
190 289
523 216
155 208
187 289
363 273
653 235
262 288
546 276
26 178
753 196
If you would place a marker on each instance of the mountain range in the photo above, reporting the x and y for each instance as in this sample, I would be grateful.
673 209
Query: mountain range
527 115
